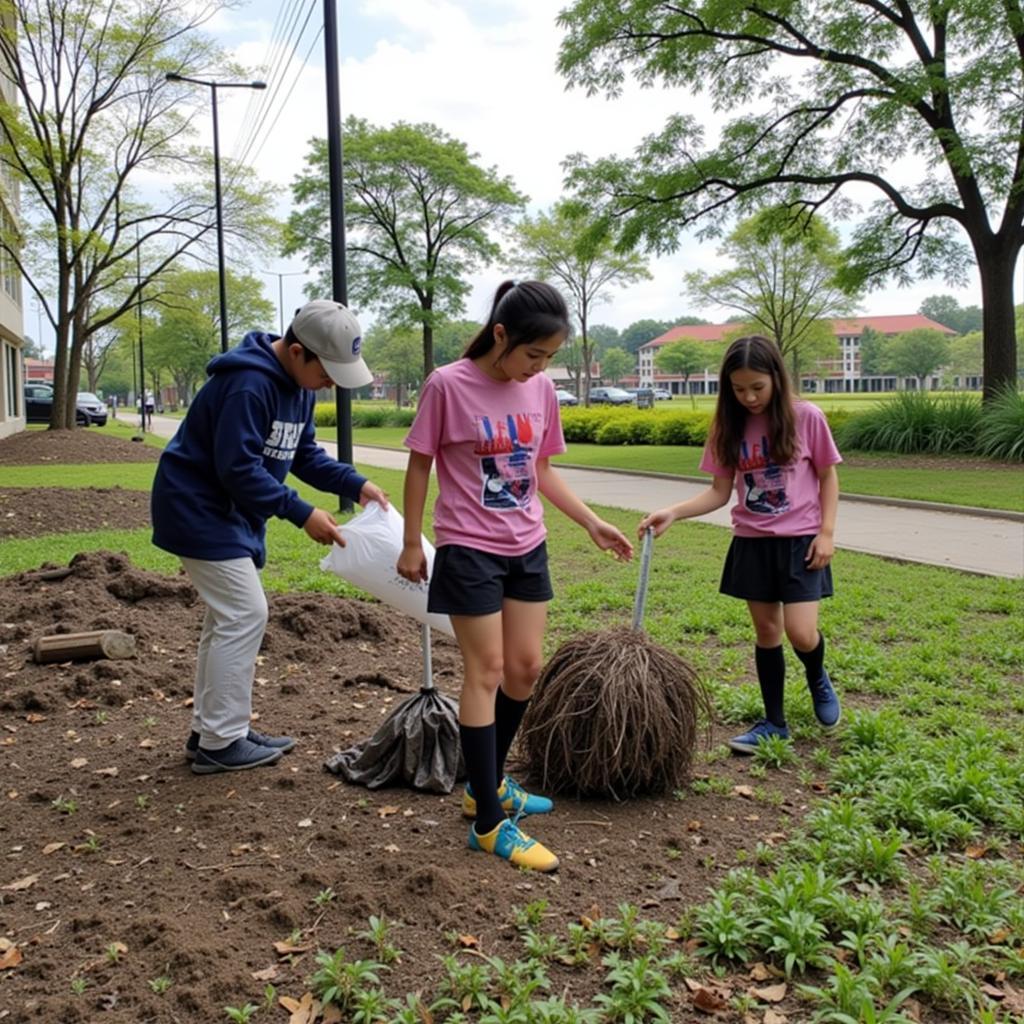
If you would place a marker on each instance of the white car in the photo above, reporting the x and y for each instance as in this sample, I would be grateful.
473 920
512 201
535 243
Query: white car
566 397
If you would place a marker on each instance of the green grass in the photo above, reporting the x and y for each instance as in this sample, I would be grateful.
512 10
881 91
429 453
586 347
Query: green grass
874 893
997 488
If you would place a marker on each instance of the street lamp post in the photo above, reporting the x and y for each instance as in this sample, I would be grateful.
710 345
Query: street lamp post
173 76
280 290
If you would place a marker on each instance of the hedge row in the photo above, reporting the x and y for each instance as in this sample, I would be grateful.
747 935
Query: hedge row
325 415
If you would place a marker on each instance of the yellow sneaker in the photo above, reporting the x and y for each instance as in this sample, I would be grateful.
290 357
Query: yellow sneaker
514 800
511 842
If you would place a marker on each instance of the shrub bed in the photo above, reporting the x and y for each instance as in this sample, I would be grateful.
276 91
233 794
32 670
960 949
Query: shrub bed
325 415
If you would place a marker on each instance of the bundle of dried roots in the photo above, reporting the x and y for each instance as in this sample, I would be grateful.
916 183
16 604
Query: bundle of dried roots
614 714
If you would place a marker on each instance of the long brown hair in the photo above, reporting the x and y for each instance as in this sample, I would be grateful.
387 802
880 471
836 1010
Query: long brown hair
528 311
761 355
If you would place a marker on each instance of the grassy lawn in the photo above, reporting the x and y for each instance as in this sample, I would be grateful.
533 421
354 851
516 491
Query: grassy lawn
900 876
998 488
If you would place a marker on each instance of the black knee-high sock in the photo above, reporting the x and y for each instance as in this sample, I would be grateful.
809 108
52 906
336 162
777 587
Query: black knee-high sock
771 674
814 660
508 714
478 749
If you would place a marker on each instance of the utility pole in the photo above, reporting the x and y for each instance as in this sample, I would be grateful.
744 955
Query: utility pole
280 291
339 284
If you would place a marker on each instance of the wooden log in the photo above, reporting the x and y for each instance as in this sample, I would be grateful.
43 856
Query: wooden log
97 643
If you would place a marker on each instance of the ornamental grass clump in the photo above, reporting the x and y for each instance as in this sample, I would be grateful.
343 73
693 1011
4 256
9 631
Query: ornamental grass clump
614 714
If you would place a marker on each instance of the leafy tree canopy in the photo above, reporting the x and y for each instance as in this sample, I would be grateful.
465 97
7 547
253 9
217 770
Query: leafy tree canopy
825 96
917 353
616 363
945 309
420 216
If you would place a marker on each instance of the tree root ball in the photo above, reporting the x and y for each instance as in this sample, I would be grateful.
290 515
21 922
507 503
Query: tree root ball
614 714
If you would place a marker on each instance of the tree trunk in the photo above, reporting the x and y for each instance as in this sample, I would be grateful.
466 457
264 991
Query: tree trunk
999 358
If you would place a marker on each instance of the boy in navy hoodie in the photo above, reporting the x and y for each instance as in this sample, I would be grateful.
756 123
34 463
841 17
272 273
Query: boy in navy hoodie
218 481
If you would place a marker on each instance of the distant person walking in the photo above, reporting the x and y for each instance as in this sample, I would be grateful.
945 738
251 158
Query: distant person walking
780 454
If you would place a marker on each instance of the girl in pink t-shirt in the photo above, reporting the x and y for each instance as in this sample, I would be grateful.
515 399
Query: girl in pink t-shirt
781 455
490 422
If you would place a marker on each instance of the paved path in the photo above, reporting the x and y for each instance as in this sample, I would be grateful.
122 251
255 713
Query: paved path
986 544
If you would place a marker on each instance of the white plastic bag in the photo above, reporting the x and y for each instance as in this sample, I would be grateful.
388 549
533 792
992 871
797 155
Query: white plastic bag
373 544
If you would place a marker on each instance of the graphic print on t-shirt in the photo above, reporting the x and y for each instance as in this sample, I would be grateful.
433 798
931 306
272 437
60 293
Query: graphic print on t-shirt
506 460
764 481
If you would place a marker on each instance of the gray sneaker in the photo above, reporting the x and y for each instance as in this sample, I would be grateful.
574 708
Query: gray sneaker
282 743
235 757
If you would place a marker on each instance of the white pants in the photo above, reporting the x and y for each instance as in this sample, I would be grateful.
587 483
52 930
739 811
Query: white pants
236 617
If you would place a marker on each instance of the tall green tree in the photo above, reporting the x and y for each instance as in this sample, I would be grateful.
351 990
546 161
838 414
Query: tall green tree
965 355
186 335
917 353
421 216
90 120
872 352
584 259
785 282
826 97
642 331
616 363
604 337
395 352
686 357
945 309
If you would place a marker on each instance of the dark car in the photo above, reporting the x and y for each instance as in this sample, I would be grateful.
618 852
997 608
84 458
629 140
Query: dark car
93 407
565 397
610 396
39 403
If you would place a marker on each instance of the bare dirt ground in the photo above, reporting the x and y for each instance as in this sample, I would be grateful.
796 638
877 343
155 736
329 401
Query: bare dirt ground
119 866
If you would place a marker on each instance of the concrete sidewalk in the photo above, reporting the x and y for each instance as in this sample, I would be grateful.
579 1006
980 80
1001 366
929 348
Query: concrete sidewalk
984 543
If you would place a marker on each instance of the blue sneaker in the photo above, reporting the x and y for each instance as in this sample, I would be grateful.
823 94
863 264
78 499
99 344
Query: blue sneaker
826 703
746 743
509 841
282 743
235 757
514 800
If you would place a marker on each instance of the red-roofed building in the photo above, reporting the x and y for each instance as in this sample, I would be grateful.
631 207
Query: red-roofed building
830 376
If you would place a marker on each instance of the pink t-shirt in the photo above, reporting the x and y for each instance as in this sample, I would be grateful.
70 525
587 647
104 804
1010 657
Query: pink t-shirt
773 500
485 437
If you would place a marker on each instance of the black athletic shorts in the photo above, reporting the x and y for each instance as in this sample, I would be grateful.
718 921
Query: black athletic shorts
465 581
773 569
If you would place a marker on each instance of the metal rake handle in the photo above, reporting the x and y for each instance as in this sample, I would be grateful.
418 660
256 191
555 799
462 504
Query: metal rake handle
640 601
428 668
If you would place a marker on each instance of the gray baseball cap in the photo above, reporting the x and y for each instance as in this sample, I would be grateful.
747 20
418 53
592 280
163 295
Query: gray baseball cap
331 332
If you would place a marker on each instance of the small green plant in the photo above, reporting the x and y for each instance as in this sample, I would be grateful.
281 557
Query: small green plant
149 721
379 933
114 952
269 996
65 806
101 717
142 801
530 916
337 980
324 897
467 984
79 985
774 752
160 985
638 989
724 927
91 844
241 1014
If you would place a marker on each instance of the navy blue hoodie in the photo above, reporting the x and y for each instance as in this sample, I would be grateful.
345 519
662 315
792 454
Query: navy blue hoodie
222 474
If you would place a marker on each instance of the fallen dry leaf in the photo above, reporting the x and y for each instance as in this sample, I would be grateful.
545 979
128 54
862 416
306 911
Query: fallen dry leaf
10 958
771 1017
391 848
747 791
759 972
387 810
267 974
708 1001
21 883
976 852
771 993
468 941
304 1011
111 772
79 762
52 848
286 948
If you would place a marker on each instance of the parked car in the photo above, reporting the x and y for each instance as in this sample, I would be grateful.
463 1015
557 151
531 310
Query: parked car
566 397
661 394
610 396
39 402
93 407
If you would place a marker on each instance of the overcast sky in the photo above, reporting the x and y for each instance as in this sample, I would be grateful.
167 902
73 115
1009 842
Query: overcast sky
484 72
